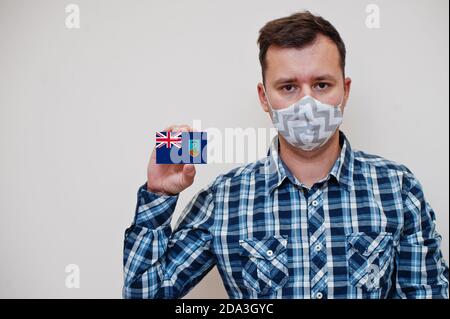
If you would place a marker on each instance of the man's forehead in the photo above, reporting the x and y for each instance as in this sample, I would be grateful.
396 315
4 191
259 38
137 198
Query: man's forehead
319 57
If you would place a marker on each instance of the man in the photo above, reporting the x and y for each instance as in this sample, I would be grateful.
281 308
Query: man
314 219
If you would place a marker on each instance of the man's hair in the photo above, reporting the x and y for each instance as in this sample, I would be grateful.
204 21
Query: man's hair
297 31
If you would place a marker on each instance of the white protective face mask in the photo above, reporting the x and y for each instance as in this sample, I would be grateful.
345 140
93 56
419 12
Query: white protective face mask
308 123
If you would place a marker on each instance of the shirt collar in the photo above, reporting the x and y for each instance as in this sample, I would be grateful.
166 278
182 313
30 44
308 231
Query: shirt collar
342 170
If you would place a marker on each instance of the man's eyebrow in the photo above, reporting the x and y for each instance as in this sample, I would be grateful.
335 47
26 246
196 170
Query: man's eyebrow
321 77
324 77
284 81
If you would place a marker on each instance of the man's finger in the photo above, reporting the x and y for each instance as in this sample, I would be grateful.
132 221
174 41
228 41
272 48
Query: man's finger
188 174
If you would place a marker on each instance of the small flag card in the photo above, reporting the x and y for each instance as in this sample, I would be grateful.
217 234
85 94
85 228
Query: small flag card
181 147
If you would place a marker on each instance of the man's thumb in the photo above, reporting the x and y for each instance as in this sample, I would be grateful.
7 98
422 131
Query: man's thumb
188 173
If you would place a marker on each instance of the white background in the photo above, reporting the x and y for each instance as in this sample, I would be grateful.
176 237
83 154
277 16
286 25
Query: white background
79 108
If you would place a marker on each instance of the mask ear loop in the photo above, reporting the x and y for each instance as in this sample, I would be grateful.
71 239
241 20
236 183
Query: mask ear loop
340 104
277 145
267 98
342 100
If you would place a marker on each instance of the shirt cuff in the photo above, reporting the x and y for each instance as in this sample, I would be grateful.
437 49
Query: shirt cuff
154 210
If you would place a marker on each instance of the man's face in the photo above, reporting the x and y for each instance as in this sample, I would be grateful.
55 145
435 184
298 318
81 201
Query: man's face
314 70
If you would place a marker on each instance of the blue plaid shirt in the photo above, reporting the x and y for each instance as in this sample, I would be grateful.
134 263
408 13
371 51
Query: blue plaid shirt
364 231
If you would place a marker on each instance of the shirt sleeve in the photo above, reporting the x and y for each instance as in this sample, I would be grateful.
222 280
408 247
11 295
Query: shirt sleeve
421 271
159 263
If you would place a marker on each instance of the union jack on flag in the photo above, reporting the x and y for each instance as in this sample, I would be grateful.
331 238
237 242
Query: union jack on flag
168 139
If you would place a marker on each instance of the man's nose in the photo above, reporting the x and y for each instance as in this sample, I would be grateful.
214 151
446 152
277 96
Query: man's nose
305 90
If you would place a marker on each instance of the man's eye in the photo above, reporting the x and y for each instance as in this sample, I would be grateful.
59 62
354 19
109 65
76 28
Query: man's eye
322 86
288 88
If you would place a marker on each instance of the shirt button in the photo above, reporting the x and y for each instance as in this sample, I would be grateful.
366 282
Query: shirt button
315 203
319 295
269 253
318 247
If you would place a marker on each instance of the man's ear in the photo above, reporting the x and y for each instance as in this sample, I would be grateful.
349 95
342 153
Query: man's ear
262 97
347 86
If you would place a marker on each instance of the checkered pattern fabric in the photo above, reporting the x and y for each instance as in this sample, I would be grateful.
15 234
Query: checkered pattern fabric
364 231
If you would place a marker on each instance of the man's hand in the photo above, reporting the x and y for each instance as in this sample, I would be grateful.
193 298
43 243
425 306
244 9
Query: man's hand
169 179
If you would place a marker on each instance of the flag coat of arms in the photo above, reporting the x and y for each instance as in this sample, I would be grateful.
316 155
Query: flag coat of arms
181 147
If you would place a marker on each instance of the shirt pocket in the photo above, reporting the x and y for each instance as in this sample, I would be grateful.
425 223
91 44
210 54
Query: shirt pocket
264 263
369 259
